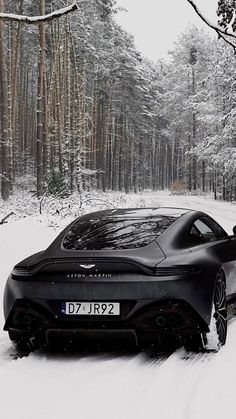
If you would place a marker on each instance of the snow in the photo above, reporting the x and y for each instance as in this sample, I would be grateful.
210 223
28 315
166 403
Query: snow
36 19
58 386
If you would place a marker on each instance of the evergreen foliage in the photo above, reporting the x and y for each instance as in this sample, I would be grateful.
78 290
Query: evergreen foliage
55 184
225 11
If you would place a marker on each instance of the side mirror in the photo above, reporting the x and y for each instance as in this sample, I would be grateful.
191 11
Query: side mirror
234 230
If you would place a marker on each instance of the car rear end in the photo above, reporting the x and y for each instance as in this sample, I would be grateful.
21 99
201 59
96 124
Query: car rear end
103 279
131 303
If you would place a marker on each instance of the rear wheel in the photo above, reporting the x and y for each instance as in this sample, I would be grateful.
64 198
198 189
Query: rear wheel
22 343
216 337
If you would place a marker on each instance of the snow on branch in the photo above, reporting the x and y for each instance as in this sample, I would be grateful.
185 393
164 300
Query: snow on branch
222 33
38 19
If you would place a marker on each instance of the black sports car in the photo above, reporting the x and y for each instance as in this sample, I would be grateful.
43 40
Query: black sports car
143 275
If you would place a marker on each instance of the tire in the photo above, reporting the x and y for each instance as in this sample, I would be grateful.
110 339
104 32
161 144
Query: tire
21 343
216 337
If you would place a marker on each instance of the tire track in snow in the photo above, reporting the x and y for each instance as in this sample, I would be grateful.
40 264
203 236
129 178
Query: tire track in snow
168 386
104 386
191 367
155 388
214 395
154 360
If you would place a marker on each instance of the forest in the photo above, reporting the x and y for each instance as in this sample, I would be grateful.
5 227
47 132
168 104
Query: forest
82 109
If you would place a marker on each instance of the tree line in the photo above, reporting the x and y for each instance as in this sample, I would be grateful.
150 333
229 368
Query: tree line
86 111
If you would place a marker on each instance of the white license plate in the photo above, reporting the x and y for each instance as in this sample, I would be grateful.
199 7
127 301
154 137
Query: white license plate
90 309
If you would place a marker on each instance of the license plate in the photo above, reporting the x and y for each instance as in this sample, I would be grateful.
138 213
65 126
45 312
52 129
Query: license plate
90 309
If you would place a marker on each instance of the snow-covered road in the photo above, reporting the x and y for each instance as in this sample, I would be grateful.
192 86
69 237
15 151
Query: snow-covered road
180 385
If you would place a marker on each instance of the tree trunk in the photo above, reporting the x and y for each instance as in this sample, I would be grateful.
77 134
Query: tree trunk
5 182
40 105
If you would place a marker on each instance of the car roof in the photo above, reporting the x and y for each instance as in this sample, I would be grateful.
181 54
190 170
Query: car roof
139 212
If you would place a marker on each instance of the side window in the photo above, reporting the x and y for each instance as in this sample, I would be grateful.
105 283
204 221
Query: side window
216 228
205 231
199 233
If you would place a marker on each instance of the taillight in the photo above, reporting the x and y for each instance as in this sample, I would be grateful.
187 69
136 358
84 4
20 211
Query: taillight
177 270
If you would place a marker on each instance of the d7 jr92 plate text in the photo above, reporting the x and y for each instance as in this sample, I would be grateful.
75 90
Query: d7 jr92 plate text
90 309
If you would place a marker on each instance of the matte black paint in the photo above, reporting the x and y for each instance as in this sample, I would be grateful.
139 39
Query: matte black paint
147 279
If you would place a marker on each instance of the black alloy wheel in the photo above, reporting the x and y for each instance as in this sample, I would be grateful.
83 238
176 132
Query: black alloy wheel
216 337
220 308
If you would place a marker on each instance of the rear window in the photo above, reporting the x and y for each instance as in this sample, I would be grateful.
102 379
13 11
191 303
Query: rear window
115 233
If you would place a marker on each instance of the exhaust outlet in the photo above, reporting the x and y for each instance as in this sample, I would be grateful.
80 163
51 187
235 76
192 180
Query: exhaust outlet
161 321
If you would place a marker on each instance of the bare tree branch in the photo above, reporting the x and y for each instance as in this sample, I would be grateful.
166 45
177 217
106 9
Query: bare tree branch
38 19
225 32
4 220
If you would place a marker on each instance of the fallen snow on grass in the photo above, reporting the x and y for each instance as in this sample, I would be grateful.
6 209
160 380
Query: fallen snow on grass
180 385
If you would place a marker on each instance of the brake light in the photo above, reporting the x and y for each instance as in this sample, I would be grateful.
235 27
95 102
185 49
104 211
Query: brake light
177 270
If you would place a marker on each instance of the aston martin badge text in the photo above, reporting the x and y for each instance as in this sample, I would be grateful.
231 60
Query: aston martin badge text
77 275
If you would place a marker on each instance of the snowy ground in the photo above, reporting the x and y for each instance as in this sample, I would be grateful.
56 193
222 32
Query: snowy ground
55 386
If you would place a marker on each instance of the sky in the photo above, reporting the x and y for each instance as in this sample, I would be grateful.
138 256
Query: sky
156 24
